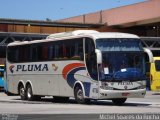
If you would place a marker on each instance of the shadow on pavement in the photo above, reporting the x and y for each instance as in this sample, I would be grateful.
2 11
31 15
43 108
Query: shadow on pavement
72 101
157 93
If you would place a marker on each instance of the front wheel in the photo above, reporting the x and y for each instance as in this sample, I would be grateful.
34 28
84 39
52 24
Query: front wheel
119 101
79 97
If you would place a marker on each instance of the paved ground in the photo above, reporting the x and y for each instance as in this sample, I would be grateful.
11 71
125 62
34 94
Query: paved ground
13 105
151 98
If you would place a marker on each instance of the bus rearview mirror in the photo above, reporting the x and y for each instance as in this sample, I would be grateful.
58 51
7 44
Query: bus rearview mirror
99 56
150 54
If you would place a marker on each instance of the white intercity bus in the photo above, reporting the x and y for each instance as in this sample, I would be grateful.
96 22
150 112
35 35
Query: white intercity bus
84 64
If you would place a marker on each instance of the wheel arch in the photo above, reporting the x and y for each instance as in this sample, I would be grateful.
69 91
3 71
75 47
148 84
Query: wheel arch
28 82
79 83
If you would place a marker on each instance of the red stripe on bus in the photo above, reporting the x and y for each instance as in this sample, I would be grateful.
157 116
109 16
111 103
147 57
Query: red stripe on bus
69 67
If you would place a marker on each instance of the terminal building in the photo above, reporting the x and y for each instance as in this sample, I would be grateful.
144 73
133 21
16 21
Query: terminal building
142 19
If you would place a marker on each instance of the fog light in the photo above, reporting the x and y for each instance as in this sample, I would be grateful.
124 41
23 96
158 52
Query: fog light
95 90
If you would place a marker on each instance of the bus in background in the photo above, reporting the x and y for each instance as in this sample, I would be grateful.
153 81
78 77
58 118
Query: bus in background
155 74
153 69
1 77
83 64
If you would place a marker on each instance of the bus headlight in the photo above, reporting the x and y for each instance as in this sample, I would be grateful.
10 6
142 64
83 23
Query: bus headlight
142 87
95 90
109 88
104 85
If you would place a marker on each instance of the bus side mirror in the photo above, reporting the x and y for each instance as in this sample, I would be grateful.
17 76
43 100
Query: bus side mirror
99 56
150 54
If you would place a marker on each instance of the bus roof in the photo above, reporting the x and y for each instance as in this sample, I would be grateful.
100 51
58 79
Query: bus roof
76 34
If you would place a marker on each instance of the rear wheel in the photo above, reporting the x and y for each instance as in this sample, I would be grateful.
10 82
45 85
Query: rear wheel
119 101
22 92
29 93
79 97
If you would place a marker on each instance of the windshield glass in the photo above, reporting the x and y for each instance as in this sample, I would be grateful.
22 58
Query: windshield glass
122 59
118 44
157 65
122 66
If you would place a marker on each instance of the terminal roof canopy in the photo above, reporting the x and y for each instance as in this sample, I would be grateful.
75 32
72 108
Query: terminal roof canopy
136 14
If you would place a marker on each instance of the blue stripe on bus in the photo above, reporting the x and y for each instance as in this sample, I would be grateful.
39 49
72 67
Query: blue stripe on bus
87 86
70 76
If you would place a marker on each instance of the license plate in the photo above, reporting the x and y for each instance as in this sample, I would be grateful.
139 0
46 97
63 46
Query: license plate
125 94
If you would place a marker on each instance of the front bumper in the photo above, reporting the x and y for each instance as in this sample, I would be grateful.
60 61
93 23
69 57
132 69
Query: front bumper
109 94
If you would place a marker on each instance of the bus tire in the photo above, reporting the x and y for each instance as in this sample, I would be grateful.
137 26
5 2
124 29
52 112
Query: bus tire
79 97
22 92
119 101
29 93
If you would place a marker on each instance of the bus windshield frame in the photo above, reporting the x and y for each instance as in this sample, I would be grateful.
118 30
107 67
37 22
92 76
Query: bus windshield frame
122 59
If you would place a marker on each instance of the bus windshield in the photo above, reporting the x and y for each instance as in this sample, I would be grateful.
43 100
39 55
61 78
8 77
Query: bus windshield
119 44
122 59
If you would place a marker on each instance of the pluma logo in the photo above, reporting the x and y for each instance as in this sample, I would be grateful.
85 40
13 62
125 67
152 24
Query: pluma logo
11 68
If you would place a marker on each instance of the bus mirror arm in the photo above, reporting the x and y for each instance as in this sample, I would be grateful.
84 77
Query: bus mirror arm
150 54
99 56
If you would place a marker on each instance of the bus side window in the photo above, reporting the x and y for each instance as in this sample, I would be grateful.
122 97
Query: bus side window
23 53
56 52
75 49
34 53
44 53
64 51
51 52
13 54
91 58
72 50
80 50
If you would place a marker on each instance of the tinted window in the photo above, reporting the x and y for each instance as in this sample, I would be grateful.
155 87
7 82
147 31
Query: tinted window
13 54
66 50
119 44
47 51
91 58
157 65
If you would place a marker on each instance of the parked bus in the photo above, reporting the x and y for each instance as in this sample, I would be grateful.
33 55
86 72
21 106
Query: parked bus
153 69
1 77
154 74
83 64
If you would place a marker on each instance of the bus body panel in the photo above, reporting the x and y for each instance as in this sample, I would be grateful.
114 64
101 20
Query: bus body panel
55 81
